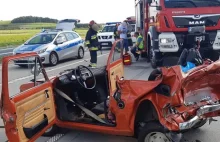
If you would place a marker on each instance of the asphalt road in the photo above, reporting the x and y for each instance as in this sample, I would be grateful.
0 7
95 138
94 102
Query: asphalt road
139 70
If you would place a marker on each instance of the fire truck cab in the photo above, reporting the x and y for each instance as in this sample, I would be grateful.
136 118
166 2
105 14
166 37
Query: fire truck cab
169 26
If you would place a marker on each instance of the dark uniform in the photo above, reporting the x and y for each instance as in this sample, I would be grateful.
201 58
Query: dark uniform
93 44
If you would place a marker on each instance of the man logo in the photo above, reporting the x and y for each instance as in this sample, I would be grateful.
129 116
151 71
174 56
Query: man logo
196 22
197 16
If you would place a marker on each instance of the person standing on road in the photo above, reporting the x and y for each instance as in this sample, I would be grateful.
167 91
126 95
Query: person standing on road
92 42
122 30
116 36
138 46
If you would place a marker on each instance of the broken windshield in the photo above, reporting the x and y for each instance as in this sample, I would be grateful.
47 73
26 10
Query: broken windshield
191 3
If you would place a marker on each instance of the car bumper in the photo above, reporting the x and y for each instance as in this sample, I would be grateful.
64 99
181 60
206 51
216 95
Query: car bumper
44 59
199 114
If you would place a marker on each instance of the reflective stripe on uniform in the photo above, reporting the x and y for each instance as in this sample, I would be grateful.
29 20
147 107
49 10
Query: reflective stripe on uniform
93 37
94 48
87 42
126 60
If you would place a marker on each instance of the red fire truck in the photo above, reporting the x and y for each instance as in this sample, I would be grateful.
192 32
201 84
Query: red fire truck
169 26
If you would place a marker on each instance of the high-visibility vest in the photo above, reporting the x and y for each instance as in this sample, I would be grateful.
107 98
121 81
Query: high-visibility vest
141 44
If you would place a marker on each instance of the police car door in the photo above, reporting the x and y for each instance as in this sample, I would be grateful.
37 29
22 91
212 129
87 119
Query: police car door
115 66
62 46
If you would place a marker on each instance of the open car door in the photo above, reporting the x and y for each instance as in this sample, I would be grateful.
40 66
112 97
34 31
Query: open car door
115 66
27 105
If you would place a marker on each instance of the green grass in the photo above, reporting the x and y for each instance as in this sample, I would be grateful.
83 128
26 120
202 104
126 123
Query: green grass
17 37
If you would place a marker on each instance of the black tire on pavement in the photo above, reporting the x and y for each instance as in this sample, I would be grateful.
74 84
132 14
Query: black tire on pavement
152 132
80 53
53 58
51 131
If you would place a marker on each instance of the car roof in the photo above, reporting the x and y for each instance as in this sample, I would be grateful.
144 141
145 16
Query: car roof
55 32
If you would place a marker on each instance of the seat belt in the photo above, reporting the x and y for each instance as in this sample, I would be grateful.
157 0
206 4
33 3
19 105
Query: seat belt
88 112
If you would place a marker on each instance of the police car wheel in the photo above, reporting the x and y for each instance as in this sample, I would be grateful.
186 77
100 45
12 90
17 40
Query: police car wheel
80 53
53 59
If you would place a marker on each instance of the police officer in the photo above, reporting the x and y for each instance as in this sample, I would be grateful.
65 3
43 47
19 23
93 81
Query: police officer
92 42
138 46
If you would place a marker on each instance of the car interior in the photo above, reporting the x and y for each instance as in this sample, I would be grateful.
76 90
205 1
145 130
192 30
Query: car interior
87 88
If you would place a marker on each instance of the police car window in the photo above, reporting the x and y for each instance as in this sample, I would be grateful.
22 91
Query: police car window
75 35
69 36
63 37
109 29
41 39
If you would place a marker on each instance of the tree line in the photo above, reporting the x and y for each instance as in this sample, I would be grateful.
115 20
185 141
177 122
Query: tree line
33 19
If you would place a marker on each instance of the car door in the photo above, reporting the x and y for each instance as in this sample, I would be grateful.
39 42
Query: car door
62 46
73 43
27 105
115 66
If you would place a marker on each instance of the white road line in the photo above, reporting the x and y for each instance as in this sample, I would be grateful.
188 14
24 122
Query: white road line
5 53
22 78
6 49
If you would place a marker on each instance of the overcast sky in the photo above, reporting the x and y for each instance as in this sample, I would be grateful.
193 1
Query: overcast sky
85 10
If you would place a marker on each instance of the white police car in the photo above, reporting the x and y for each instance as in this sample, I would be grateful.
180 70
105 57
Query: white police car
54 45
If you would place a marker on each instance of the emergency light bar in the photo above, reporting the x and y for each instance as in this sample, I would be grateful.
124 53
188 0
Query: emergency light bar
109 23
51 30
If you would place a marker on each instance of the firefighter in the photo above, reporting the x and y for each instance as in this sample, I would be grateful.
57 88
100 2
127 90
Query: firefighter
138 46
92 42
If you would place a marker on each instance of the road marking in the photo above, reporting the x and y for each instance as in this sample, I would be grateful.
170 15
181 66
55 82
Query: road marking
6 49
5 53
22 78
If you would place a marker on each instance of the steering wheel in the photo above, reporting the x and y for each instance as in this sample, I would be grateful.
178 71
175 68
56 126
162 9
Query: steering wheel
82 74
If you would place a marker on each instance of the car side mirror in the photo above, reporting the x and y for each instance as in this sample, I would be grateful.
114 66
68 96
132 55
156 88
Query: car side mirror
37 71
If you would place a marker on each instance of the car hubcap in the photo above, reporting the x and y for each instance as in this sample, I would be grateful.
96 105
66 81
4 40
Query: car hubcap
53 59
80 52
156 137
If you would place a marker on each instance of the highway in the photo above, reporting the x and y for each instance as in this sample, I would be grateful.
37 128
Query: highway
138 70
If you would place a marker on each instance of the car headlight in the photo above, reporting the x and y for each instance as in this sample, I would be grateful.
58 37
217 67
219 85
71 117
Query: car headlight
110 37
166 40
41 51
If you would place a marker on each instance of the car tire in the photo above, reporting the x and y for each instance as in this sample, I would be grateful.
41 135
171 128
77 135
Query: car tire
53 59
80 53
51 131
153 131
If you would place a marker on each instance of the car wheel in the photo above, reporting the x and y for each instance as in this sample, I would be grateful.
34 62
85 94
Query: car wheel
153 132
80 53
53 59
51 131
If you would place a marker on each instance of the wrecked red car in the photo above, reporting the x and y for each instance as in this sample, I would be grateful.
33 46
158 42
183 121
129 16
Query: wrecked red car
102 100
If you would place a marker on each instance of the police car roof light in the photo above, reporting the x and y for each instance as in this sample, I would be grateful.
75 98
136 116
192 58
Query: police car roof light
51 30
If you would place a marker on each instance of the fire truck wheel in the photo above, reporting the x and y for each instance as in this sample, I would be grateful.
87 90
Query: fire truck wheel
153 60
153 131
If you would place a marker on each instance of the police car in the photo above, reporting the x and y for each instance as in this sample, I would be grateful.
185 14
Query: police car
106 35
54 45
